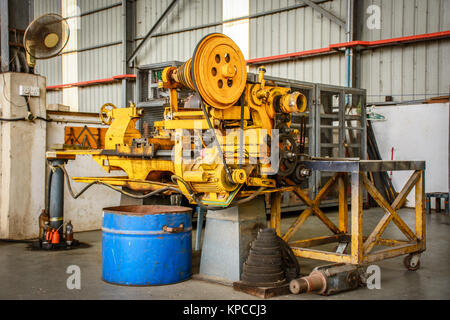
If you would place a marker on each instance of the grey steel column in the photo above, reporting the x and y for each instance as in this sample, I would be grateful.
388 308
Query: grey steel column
56 201
4 29
128 17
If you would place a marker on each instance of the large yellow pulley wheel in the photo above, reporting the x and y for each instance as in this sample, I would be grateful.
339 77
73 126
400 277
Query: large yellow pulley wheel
105 113
219 70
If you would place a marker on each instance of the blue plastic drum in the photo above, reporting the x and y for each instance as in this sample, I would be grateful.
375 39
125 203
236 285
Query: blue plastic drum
146 245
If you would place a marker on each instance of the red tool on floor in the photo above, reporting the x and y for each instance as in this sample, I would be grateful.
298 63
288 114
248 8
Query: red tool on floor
392 158
55 236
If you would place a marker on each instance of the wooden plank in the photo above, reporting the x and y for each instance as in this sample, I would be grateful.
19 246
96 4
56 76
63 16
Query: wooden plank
420 209
297 224
312 242
326 188
392 243
93 138
384 222
322 255
356 220
262 292
275 212
343 204
392 252
303 196
385 205
326 221
405 190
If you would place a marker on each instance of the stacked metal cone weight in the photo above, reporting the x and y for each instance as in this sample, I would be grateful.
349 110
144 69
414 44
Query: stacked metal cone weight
264 265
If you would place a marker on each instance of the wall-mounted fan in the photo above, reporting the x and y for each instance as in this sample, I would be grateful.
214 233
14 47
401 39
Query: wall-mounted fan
45 37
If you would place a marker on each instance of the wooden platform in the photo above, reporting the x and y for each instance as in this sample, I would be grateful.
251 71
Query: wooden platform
262 292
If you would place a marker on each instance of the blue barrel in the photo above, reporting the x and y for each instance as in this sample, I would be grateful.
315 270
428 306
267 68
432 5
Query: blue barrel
146 245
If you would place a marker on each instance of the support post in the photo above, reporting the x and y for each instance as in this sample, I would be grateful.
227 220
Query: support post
198 236
275 212
420 209
356 218
4 35
56 201
343 203
128 17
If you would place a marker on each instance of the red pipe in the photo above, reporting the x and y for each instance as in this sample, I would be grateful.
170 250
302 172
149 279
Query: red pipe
92 82
334 48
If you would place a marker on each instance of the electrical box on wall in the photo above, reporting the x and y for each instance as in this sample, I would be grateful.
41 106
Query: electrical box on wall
29 91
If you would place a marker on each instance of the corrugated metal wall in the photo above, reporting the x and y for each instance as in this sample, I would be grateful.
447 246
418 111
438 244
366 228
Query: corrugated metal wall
97 29
298 30
94 29
178 46
105 27
51 68
405 72
411 72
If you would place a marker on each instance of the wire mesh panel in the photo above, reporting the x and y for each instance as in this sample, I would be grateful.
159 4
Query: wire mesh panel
340 127
335 121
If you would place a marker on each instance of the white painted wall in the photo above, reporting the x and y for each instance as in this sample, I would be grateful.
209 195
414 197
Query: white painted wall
86 211
417 132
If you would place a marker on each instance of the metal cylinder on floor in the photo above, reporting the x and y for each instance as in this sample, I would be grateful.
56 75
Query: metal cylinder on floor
146 245
56 201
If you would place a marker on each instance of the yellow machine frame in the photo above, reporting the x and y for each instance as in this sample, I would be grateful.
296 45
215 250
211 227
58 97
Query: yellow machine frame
225 101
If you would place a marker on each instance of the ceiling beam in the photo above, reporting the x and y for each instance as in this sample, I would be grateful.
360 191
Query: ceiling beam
155 27
326 13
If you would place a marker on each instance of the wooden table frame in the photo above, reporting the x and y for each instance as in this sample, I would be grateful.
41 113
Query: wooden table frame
361 246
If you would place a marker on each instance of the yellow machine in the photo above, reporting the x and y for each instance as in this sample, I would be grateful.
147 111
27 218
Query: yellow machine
233 139
229 139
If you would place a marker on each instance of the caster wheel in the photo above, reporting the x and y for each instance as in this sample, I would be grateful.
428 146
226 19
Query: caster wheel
411 262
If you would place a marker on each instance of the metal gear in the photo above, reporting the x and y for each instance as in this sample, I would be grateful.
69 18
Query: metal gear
288 155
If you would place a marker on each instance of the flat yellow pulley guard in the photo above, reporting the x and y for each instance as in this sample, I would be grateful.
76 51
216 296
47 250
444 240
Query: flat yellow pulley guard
219 71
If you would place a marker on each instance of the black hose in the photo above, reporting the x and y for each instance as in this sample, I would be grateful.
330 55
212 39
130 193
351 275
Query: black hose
43 119
12 119
219 148
29 112
24 119
28 104
33 117
75 196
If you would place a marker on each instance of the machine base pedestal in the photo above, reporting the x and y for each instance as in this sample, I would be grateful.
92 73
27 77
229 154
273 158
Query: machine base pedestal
227 238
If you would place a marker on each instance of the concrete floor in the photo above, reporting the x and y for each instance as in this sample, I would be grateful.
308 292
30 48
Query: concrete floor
28 274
